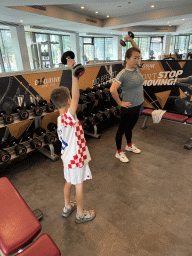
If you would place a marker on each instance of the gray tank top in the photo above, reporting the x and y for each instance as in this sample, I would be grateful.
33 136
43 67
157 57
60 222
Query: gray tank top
131 82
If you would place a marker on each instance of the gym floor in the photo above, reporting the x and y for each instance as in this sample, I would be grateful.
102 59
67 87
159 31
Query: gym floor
143 207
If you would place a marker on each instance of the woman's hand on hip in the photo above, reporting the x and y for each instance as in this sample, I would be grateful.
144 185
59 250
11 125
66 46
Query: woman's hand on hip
125 104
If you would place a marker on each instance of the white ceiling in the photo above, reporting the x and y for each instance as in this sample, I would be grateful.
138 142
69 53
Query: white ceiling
167 17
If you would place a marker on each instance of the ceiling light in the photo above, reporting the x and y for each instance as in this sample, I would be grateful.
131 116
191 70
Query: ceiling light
107 16
21 20
96 12
169 25
82 7
152 6
183 19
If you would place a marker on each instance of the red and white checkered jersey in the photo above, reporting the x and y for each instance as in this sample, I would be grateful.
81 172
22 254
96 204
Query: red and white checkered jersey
74 148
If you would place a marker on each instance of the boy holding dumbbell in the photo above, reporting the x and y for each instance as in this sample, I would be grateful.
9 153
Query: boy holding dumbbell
75 154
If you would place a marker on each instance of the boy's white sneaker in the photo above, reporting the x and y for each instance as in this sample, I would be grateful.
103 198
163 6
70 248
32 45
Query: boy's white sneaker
122 157
133 149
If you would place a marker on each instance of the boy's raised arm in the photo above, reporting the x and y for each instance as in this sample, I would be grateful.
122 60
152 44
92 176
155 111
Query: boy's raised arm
74 90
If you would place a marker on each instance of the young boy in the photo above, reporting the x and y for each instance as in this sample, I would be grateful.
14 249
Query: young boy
74 151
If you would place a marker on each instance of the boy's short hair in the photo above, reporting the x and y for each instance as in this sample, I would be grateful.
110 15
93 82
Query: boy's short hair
60 96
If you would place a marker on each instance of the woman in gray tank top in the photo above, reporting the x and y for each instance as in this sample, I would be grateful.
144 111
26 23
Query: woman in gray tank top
131 82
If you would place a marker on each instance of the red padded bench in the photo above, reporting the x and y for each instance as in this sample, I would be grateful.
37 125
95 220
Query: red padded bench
18 224
172 117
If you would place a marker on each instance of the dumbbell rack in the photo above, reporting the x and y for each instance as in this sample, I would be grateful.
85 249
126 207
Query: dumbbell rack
48 153
18 120
37 121
95 128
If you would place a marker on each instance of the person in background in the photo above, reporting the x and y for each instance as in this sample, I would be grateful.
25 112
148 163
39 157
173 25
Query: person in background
131 82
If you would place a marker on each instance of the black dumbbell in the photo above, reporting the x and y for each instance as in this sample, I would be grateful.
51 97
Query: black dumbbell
78 70
52 127
48 137
49 107
23 114
38 111
98 93
90 95
12 144
4 156
29 141
99 116
89 120
122 43
83 120
83 99
8 119
20 149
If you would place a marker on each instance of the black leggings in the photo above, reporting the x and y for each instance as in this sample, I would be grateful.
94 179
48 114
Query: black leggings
129 118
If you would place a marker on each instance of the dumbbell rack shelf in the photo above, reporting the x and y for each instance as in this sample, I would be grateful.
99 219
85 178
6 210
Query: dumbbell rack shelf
50 154
18 120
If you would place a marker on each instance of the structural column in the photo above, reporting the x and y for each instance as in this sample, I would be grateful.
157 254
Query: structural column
167 43
119 48
20 47
75 46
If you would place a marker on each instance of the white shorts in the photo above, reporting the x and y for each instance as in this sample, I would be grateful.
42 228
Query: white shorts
77 175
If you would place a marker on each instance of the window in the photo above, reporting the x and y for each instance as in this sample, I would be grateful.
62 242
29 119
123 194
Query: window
66 43
156 47
99 44
183 43
8 62
110 54
55 50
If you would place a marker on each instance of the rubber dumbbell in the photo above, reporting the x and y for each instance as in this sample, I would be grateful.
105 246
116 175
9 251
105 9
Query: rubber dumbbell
11 145
48 137
30 142
83 99
8 119
90 95
99 116
37 110
122 43
52 127
49 107
4 156
90 120
23 114
98 93
83 120
20 149
78 70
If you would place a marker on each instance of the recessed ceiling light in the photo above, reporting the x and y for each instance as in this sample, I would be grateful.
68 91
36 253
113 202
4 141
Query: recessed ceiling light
21 20
183 19
96 12
169 25
107 16
152 6
82 7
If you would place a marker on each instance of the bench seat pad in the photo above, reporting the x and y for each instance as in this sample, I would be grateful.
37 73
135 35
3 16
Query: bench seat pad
43 246
175 117
18 224
167 115
189 121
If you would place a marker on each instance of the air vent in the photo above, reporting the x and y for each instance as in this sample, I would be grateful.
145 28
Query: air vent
5 23
38 7
53 29
90 20
162 29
